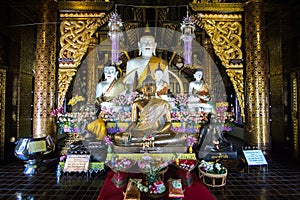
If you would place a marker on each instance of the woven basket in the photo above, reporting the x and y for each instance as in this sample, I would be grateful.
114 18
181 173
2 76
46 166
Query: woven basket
212 180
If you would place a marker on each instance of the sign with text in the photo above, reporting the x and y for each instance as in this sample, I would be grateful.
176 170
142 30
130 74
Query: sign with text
77 163
255 157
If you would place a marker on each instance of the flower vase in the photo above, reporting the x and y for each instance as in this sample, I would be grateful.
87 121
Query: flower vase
109 148
61 130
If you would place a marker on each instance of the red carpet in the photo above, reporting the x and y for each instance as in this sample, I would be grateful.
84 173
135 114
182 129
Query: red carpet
197 191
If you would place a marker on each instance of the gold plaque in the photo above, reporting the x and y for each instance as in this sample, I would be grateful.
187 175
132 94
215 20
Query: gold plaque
37 146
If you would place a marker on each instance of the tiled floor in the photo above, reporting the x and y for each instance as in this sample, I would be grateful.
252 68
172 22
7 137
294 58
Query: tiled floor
279 181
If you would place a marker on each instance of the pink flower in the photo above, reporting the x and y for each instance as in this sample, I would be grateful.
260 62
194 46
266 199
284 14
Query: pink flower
191 140
107 140
56 111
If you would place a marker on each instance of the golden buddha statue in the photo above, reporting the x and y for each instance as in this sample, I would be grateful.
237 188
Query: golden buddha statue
149 115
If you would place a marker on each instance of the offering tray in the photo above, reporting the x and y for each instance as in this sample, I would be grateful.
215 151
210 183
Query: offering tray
184 168
120 168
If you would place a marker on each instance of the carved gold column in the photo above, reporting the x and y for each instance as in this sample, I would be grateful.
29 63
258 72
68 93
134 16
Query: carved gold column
91 72
208 68
295 112
45 71
2 111
257 130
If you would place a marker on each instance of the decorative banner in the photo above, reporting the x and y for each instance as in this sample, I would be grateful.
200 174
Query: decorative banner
115 31
187 30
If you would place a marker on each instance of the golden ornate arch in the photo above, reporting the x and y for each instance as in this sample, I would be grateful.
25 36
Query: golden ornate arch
76 30
225 31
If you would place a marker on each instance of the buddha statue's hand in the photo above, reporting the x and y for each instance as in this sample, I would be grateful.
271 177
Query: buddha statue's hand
122 138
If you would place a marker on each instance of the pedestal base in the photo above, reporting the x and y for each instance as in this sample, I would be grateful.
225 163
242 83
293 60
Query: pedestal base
212 156
30 167
168 149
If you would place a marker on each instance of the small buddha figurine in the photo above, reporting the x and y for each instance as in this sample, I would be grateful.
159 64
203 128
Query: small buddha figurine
149 115
111 86
199 88
162 87
105 91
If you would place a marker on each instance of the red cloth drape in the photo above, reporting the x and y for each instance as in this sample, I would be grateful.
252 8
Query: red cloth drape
197 191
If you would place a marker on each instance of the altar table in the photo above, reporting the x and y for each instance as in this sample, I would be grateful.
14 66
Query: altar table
197 191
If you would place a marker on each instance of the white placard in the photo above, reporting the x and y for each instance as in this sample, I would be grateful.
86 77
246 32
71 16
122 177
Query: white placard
255 157
77 163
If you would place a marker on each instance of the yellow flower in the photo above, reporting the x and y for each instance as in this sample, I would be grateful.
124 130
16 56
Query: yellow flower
75 99
72 102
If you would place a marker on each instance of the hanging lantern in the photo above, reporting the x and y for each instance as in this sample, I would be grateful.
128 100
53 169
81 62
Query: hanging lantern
187 31
115 25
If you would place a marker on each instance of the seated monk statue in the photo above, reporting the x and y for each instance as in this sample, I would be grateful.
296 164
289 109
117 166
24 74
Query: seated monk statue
150 115
199 88
211 138
105 91
162 87
136 68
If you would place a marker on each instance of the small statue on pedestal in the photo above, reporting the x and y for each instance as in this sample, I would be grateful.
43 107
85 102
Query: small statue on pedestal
211 139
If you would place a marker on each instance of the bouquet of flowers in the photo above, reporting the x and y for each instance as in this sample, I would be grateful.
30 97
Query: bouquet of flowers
181 101
107 114
180 116
212 168
124 100
191 140
226 118
152 167
228 123
122 164
67 122
186 164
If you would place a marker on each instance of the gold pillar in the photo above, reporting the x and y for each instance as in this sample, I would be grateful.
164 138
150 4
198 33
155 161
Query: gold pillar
208 68
2 111
295 77
45 69
257 130
91 73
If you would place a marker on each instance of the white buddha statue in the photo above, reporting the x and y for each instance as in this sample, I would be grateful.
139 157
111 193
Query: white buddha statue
162 87
105 91
147 47
199 88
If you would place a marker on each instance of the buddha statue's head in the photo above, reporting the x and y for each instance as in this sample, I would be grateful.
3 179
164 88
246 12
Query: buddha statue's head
158 73
198 75
110 73
147 46
149 86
